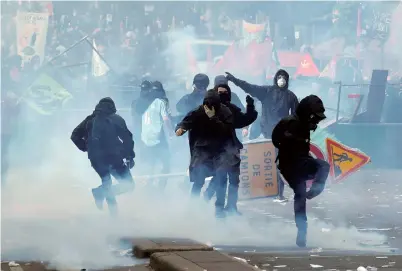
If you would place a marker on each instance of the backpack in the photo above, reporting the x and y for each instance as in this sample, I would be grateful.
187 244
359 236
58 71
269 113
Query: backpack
102 136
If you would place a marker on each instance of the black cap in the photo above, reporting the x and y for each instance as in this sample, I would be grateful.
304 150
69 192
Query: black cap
220 80
317 106
201 81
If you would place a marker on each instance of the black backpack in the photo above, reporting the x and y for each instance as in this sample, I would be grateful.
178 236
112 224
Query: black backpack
102 134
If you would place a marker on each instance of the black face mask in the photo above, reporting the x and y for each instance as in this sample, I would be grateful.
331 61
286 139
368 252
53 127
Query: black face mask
224 97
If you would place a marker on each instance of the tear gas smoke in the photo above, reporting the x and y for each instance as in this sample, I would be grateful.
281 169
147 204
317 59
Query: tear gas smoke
48 213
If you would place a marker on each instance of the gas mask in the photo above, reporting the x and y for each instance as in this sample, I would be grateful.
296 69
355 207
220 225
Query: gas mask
281 82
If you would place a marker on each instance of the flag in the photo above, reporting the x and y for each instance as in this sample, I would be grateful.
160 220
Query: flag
307 67
45 95
330 70
252 32
99 67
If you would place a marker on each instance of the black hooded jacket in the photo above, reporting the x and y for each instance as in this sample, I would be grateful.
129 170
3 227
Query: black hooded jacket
292 134
240 119
104 134
208 136
277 102
221 80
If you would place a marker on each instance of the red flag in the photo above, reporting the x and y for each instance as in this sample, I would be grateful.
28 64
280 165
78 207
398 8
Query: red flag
307 67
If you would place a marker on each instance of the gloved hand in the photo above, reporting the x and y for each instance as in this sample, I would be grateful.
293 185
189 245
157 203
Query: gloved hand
230 76
130 162
249 101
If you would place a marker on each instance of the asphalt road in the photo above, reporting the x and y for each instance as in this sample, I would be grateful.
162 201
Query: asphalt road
362 216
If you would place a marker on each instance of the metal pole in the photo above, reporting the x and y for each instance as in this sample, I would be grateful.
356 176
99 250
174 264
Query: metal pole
339 101
65 51
101 57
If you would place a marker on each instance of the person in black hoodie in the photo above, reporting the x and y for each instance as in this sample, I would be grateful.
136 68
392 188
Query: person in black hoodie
190 101
110 147
291 136
277 102
240 120
210 127
234 99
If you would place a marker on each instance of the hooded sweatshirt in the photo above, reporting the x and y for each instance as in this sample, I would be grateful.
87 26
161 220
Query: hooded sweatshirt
292 134
222 80
104 134
277 102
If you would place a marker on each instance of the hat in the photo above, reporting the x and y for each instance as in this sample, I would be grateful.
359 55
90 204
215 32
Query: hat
201 80
220 80
317 106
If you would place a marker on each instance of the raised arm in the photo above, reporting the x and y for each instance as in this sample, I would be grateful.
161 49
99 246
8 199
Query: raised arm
259 92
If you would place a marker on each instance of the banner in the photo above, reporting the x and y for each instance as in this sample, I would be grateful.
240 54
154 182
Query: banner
46 95
99 67
253 32
31 35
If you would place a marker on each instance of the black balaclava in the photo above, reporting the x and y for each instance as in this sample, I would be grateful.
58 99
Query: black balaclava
212 99
311 110
158 91
225 97
145 88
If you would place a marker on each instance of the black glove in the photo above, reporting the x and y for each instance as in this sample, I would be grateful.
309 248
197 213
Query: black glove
249 101
230 76
130 162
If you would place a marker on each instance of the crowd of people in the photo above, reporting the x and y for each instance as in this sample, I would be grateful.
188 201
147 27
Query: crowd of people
211 119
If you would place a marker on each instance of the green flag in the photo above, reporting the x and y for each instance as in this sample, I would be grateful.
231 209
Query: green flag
46 95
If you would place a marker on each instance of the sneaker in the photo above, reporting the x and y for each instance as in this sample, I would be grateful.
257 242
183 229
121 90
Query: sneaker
232 211
220 213
301 239
99 197
281 199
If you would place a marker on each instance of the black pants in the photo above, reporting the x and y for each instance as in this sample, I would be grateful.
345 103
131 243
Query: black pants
297 174
106 169
233 190
198 173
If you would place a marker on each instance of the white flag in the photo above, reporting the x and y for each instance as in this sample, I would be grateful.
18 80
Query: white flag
99 67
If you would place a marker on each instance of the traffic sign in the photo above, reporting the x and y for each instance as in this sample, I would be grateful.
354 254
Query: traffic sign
315 152
343 160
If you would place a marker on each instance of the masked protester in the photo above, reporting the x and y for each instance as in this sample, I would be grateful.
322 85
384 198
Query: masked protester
110 147
210 128
156 128
240 120
277 102
138 108
292 138
222 80
190 101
